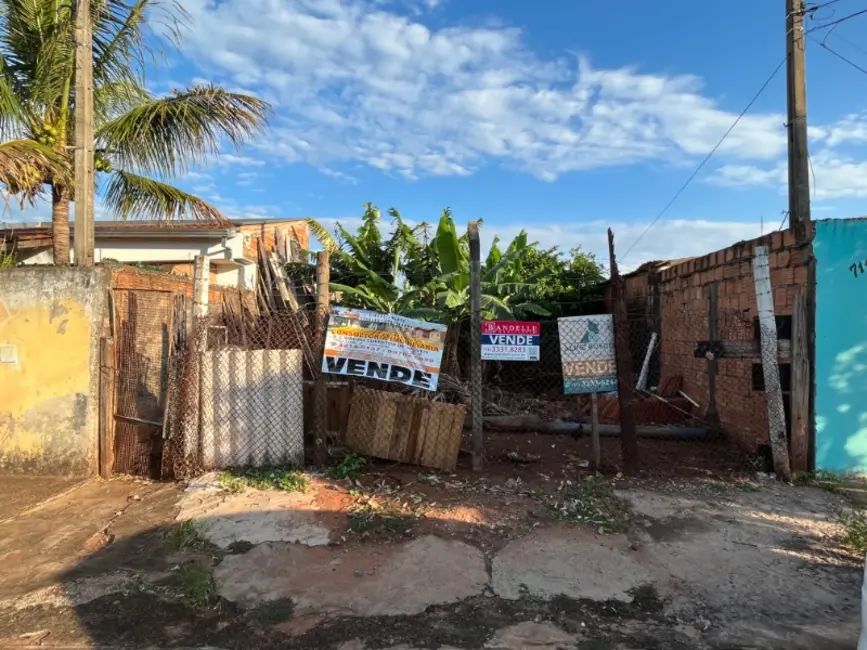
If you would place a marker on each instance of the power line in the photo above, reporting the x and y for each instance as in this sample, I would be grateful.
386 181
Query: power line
840 56
706 158
836 22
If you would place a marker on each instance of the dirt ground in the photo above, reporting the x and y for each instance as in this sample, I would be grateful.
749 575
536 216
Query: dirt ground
536 552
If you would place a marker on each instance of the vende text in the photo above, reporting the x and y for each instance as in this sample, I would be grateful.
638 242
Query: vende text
374 370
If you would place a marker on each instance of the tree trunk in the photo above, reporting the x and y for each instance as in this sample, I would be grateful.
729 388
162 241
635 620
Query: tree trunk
60 225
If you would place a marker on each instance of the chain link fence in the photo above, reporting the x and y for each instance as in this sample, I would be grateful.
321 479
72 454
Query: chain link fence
240 392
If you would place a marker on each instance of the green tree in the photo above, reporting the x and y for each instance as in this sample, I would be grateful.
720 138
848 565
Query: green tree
566 285
416 273
142 141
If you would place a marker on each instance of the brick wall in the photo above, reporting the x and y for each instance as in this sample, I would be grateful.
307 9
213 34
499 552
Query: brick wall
684 311
126 277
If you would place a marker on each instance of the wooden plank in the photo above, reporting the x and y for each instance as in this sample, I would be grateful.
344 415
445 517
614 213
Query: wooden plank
801 380
107 375
749 349
770 365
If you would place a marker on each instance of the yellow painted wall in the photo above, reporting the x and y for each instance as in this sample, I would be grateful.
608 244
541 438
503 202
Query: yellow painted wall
50 321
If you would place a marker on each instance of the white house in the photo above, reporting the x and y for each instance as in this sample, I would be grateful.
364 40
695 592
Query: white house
233 249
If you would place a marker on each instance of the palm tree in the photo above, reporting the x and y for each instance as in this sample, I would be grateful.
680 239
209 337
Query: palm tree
142 141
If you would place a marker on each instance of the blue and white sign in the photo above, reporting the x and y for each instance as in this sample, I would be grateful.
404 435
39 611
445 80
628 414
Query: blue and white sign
587 353
504 340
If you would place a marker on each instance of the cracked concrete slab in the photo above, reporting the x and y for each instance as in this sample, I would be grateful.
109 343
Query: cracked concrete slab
364 581
568 561
251 516
527 635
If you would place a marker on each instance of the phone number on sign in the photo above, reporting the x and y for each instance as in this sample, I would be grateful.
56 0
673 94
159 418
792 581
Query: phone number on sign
516 351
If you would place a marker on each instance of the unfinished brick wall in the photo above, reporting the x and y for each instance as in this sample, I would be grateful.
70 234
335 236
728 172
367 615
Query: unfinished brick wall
684 311
127 277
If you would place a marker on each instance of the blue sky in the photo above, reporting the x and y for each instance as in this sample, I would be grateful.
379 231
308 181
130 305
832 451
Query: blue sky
562 117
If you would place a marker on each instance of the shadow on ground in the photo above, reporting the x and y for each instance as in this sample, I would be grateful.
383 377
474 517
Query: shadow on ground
128 564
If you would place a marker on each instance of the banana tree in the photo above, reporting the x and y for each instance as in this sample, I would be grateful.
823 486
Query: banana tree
505 294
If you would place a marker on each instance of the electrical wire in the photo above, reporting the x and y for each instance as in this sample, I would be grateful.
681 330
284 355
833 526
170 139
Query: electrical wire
824 45
836 22
706 158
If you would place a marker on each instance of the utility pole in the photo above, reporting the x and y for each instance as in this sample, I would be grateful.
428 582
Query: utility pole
83 233
476 345
802 411
796 100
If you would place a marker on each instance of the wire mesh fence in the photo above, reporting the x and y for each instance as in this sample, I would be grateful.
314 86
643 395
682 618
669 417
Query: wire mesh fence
250 386
241 393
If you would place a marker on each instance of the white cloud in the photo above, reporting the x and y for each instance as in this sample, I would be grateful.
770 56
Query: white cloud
358 82
665 240
835 174
227 159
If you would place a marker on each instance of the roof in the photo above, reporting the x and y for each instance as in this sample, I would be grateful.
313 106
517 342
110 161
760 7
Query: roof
39 233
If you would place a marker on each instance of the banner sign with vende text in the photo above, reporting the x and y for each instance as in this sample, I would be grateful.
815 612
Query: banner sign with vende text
369 344
587 353
504 340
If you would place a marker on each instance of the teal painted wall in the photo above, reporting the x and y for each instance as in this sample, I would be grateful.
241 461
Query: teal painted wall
841 345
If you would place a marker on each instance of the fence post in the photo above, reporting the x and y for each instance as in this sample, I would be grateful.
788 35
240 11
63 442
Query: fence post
320 387
770 364
476 346
623 356
193 426
596 460
801 381
107 374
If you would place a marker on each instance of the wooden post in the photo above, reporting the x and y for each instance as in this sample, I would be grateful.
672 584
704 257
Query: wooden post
800 217
770 365
596 459
476 346
712 414
625 394
84 182
107 376
201 280
801 382
320 386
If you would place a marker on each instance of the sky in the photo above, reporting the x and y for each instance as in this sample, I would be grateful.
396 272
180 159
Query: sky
560 117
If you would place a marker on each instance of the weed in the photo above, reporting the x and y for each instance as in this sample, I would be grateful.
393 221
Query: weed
350 466
592 502
186 537
241 546
370 516
199 586
854 524
748 486
288 479
646 599
272 612
828 481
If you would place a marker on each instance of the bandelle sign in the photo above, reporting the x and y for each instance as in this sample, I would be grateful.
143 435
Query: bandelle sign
504 340
363 343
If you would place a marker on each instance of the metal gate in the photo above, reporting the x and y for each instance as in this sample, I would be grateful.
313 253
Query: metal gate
148 325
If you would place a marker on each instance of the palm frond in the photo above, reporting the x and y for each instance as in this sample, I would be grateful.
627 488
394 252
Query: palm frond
114 98
132 196
166 135
123 40
25 167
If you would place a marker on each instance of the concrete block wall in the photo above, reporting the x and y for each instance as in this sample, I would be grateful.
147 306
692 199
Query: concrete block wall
684 312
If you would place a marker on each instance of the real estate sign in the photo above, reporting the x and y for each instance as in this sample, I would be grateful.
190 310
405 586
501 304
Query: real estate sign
362 343
587 353
504 340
